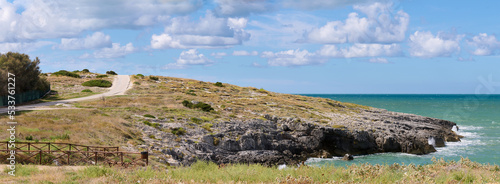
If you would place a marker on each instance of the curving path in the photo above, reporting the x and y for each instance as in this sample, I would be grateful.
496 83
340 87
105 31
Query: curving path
121 83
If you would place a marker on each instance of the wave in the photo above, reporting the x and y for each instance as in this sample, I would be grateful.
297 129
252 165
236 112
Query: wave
468 127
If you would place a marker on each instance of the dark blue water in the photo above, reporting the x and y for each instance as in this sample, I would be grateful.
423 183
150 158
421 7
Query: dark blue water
477 116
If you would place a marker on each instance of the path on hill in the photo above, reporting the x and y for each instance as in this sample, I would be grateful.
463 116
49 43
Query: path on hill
121 83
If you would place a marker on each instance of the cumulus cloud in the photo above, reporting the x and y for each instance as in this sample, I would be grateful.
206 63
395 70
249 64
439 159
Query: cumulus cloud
23 46
292 58
426 45
378 60
245 53
322 4
380 25
44 19
218 54
116 51
96 40
187 58
361 50
242 7
208 32
484 44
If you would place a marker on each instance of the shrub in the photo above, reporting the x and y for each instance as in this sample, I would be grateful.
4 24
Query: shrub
207 126
87 91
29 138
27 73
140 75
196 120
137 83
76 71
149 116
86 71
98 83
218 84
101 76
153 78
111 72
66 73
155 125
200 105
178 131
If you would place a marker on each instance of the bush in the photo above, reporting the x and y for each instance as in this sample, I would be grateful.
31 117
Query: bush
200 105
27 73
153 78
101 76
178 131
111 72
98 83
155 125
87 91
140 75
218 84
149 116
137 83
66 73
196 120
86 71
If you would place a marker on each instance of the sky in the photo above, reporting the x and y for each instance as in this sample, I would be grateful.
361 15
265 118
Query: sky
286 46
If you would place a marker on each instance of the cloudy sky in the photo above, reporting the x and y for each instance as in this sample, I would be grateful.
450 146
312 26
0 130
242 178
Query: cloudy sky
289 46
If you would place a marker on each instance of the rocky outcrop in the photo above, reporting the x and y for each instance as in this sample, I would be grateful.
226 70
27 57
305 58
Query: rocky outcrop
288 140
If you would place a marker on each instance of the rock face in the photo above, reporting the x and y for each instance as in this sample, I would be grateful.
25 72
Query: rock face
290 141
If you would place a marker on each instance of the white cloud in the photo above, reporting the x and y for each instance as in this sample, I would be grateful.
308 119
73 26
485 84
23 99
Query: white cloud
55 19
242 7
208 32
116 51
96 40
23 46
426 45
361 50
322 4
245 53
484 44
187 58
380 25
378 60
292 58
218 54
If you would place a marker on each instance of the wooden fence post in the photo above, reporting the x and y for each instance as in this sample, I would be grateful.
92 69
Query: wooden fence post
95 158
40 154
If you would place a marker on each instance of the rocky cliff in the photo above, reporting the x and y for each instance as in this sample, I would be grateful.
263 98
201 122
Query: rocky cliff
277 140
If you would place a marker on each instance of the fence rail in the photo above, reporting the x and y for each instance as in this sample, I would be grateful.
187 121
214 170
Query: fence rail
46 153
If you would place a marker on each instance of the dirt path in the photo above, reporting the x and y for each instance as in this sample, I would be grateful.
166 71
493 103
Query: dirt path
120 84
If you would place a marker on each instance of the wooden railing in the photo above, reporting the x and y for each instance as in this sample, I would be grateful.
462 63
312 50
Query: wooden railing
46 153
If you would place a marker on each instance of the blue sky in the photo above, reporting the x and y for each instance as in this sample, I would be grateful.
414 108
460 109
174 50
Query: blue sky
292 46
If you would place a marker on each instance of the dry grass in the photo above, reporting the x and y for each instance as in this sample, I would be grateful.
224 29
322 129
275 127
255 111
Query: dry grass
83 126
69 87
463 171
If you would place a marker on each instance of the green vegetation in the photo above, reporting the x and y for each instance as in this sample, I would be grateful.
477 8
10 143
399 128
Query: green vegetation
149 116
140 75
85 71
97 83
111 72
178 131
26 71
219 84
200 105
87 91
66 73
207 126
137 83
155 125
463 171
153 78
101 76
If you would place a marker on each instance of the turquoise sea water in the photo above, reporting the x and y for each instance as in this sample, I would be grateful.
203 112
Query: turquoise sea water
477 116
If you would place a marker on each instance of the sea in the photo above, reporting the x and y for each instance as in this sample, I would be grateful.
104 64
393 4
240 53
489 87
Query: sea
477 117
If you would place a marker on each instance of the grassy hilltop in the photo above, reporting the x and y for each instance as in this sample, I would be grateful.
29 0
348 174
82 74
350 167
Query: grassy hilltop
113 121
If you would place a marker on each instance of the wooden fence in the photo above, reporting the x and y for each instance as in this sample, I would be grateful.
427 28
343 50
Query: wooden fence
46 153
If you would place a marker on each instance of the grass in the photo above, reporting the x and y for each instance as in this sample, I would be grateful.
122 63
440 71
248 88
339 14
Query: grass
463 171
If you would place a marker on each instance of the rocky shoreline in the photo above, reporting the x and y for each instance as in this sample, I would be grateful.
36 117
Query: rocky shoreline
277 140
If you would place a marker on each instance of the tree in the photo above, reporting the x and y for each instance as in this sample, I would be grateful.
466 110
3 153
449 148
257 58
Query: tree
26 71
